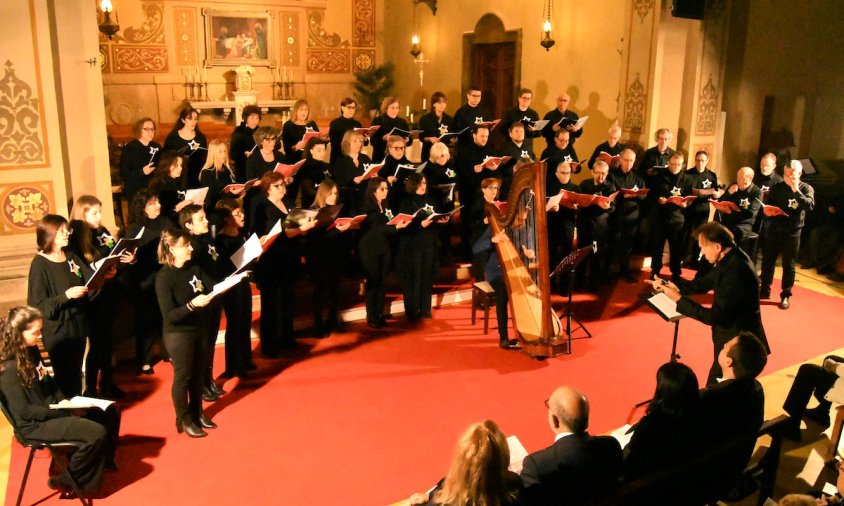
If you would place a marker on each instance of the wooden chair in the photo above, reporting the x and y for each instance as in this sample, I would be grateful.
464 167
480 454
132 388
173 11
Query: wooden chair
59 452
483 298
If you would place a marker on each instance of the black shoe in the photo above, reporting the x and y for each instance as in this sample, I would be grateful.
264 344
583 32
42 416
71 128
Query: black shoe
191 429
216 389
785 303
791 430
206 422
819 415
209 395
765 292
508 344
375 323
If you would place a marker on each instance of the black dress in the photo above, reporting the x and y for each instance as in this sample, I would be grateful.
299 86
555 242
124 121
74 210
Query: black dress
256 166
196 151
292 134
215 180
243 140
418 259
66 321
326 252
134 157
237 304
170 193
336 130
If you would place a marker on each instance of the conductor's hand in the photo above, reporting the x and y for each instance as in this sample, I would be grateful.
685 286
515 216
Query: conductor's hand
75 292
201 300
666 287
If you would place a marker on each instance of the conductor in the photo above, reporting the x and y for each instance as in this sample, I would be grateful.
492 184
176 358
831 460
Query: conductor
735 305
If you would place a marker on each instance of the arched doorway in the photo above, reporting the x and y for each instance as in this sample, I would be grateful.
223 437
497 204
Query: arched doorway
492 61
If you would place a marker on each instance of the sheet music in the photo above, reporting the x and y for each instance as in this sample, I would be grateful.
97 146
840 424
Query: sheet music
623 435
666 307
517 454
553 201
250 250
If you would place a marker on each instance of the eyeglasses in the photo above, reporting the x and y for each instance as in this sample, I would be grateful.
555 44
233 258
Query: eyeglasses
269 138
491 188
397 148
277 185
475 95
352 106
564 173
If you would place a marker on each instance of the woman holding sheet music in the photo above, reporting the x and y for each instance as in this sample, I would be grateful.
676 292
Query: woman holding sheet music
276 268
327 250
387 121
434 124
138 158
312 172
216 173
339 126
348 170
204 255
417 262
28 391
397 168
181 289
237 302
91 241
242 144
57 288
168 183
293 132
266 156
189 142
146 219
374 248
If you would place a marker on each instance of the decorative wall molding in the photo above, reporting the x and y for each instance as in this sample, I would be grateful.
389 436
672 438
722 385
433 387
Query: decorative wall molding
329 61
20 116
105 59
151 30
363 60
291 44
363 23
634 106
707 109
643 8
131 59
23 205
318 37
184 28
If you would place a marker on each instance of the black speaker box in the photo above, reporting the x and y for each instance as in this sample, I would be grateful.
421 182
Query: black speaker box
690 9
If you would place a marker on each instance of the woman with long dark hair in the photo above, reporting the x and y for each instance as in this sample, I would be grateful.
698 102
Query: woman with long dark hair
374 248
242 144
28 392
139 157
339 126
189 142
435 123
168 182
57 288
182 291
145 215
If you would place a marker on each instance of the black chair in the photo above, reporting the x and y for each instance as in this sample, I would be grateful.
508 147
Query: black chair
59 452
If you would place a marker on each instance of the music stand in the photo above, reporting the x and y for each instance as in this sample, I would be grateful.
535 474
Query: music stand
667 309
568 266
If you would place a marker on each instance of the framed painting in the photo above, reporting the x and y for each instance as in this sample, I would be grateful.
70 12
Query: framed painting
239 38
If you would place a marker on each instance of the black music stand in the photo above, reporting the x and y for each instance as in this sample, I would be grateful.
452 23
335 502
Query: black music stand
667 309
568 266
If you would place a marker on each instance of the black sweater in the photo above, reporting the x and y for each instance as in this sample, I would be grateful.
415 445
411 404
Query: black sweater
48 282
134 157
336 130
243 140
174 288
291 134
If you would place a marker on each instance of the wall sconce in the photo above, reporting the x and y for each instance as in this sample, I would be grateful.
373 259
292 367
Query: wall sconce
547 42
415 49
108 27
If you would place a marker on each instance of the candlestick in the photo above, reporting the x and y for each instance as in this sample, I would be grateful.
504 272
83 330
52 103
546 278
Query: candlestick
424 104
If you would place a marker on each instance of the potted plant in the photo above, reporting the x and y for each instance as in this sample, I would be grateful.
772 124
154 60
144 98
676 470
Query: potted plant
373 85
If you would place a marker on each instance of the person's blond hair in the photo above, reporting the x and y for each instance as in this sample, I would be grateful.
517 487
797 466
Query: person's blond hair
218 151
478 472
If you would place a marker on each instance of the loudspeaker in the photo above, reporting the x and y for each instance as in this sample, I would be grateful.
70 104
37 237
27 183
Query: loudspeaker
690 9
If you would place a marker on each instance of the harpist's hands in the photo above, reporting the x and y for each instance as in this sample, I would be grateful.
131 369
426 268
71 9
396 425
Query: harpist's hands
500 236
201 300
75 292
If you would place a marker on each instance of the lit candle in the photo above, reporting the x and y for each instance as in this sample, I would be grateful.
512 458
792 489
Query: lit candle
424 104
190 75
407 113
411 118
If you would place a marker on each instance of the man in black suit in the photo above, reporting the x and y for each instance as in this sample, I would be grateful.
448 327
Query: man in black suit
735 305
577 468
734 407
470 113
624 224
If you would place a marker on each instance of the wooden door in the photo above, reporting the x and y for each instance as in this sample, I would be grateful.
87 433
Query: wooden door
494 70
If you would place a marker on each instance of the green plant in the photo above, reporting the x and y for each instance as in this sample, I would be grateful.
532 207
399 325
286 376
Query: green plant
374 84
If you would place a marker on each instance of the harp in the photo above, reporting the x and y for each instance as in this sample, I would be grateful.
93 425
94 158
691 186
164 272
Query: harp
525 262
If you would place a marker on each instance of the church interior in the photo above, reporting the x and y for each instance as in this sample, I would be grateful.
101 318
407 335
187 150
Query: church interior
733 78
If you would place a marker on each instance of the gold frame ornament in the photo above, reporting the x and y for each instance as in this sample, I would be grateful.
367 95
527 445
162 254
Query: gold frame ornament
234 38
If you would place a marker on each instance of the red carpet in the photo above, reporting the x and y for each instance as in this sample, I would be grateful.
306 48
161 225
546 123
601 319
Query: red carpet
369 417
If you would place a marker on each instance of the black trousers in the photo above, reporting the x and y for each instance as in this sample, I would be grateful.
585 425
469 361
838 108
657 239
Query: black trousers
189 354
780 242
624 231
418 269
501 302
376 267
215 313
237 304
147 325
811 380
326 271
673 233
98 363
86 462
277 300
67 352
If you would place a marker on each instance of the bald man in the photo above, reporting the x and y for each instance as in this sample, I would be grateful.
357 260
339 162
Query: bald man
577 468
555 119
746 196
611 146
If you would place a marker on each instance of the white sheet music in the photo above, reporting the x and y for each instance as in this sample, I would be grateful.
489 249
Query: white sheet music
666 307
517 454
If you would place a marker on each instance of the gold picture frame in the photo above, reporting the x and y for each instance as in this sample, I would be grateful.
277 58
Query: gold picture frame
234 38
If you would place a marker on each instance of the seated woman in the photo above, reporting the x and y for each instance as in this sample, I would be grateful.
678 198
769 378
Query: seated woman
665 437
28 393
478 472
